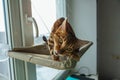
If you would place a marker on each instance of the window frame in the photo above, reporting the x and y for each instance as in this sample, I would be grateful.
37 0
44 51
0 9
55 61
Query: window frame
20 70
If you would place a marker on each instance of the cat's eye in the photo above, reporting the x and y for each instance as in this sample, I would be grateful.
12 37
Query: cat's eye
60 40
69 49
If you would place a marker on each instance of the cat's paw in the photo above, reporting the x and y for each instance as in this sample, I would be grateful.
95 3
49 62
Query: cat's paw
55 58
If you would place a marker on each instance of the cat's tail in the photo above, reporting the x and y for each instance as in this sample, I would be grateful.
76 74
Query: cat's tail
44 39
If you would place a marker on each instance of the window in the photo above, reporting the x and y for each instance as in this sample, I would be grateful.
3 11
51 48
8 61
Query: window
44 13
4 60
21 33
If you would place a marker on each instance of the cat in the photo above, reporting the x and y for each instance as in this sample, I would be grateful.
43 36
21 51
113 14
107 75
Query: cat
63 42
50 41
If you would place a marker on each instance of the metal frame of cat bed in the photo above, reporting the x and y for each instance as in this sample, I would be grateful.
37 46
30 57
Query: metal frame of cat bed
40 55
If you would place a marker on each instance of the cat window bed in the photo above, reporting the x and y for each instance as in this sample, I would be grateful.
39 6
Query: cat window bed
40 55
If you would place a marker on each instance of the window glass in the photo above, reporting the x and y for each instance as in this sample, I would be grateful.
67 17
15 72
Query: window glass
4 61
44 12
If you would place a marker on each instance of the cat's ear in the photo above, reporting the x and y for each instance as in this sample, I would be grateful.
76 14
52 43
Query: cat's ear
67 27
57 24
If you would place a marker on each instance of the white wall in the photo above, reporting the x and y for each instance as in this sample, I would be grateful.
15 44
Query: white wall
82 14
109 39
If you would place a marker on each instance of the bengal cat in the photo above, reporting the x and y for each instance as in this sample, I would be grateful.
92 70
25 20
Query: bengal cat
63 42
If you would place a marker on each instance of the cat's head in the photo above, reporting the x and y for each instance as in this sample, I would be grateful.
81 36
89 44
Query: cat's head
65 41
